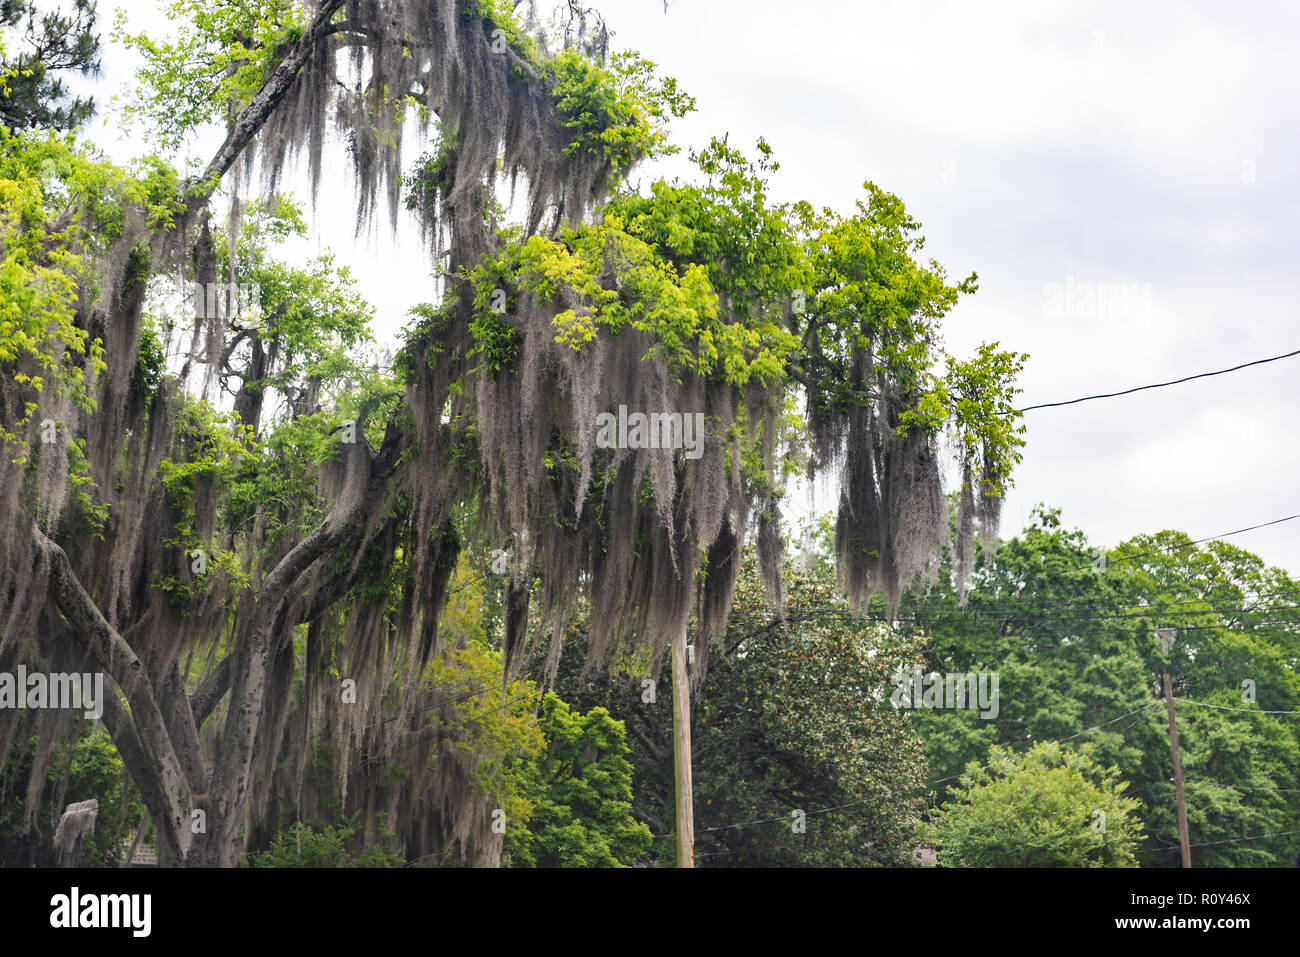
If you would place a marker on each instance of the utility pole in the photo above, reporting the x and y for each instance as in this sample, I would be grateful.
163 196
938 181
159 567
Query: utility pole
1166 636
682 753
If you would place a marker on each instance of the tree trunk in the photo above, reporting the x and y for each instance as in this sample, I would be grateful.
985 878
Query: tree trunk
682 753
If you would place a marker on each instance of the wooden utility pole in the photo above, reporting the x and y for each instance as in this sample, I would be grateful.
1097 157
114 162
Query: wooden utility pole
682 753
1166 636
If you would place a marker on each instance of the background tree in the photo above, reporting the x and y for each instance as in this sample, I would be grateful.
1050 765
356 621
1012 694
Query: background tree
580 792
1072 633
1047 807
791 718
49 42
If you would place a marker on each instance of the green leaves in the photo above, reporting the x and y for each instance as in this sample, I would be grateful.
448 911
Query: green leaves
1046 808
580 790
705 270
302 845
870 296
977 395
620 112
799 718
49 258
220 57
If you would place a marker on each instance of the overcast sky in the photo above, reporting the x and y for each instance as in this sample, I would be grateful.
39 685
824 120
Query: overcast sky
1124 178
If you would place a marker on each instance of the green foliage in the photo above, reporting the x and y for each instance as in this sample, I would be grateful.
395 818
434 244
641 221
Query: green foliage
52 41
615 274
97 771
747 246
311 321
843 746
496 341
278 478
214 446
1049 807
48 258
619 112
431 174
94 770
39 272
499 729
425 337
977 394
94 514
302 845
220 56
150 363
871 294
500 15
580 789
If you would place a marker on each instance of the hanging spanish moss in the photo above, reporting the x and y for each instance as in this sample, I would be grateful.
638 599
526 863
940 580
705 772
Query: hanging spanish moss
626 526
892 521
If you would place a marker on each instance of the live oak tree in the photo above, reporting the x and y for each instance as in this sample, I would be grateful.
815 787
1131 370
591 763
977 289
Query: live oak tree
265 581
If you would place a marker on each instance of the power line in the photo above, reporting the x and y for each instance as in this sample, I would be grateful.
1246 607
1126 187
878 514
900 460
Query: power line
836 615
1156 385
1219 707
1029 611
1028 577
1157 551
1237 840
1137 613
1242 787
927 784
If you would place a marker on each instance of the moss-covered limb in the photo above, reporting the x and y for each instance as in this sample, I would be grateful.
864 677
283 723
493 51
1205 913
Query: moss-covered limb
163 773
182 727
121 728
364 484
211 689
254 116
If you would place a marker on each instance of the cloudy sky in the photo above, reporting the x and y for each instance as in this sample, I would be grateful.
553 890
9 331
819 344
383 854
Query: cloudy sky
1124 178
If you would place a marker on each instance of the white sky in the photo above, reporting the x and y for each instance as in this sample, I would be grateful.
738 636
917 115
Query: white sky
1044 145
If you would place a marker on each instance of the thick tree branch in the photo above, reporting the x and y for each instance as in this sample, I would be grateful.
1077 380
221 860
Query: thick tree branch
254 116
167 781
231 773
211 690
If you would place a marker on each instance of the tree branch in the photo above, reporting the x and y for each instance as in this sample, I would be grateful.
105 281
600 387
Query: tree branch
255 115
167 780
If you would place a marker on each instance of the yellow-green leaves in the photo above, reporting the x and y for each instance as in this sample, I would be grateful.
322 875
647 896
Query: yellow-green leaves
40 268
605 277
1046 808
619 112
